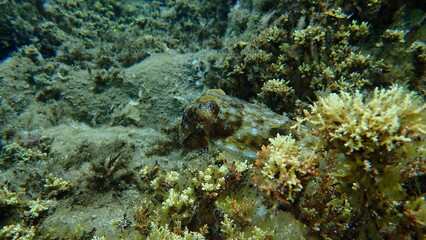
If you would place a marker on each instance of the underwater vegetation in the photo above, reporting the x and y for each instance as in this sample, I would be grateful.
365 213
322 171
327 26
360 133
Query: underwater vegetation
115 123
363 179
302 47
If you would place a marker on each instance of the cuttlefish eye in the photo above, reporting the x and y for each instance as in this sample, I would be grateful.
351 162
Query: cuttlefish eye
208 110
208 106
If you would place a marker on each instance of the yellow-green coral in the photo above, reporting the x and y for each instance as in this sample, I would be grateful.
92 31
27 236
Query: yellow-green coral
337 13
324 46
229 228
385 119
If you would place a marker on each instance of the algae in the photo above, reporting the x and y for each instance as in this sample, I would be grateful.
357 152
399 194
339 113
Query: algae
92 94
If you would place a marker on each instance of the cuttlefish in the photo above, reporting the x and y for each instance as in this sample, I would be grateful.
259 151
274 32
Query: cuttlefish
231 124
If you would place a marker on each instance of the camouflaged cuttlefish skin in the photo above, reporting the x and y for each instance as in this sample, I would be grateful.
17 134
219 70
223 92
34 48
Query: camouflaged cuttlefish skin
231 124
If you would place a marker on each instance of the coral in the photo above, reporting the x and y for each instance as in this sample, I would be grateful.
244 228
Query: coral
259 234
420 48
310 35
394 35
172 178
229 229
28 210
228 226
202 200
182 203
277 86
240 212
359 31
356 171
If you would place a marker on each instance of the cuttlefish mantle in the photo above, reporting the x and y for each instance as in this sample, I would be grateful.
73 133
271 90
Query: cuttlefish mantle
231 124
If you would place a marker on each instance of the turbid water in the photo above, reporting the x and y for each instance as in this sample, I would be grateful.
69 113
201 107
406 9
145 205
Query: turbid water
92 142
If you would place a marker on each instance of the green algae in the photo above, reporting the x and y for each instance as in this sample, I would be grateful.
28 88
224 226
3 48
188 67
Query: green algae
92 92
361 166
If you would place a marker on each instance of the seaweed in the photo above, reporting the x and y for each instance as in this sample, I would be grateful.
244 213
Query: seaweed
351 183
